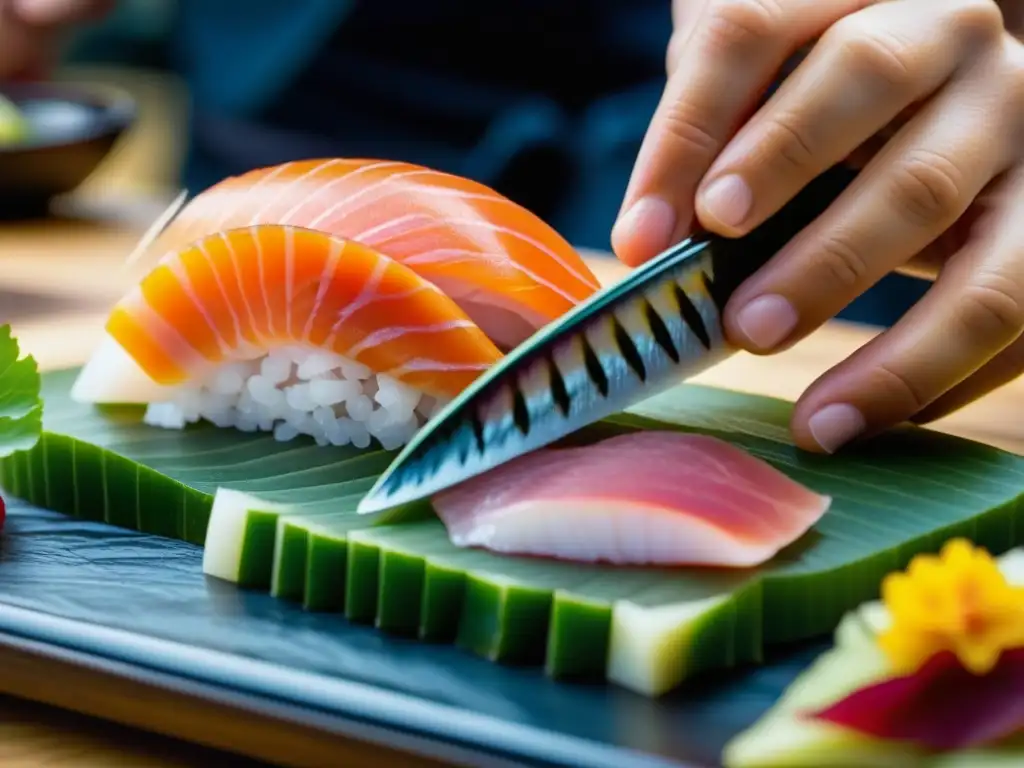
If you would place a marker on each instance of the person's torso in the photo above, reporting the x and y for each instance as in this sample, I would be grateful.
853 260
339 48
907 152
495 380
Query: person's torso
545 100
506 92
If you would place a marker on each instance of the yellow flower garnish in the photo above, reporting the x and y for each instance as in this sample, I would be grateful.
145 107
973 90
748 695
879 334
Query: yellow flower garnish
956 601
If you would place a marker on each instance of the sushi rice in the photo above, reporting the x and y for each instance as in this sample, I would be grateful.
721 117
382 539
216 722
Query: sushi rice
293 391
388 297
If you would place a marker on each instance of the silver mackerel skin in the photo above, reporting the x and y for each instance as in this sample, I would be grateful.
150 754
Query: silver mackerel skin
629 342
658 326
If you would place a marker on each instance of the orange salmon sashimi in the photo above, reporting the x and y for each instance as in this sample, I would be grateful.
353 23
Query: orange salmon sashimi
506 268
287 329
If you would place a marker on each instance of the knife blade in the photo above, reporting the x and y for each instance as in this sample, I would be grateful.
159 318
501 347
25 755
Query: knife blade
658 326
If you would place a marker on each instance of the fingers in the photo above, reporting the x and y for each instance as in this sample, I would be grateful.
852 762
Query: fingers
974 311
865 71
734 49
685 16
927 264
997 372
911 192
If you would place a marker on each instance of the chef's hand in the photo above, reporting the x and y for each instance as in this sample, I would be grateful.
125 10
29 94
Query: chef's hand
937 86
30 30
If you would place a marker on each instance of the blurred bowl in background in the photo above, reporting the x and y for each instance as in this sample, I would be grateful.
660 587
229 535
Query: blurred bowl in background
72 128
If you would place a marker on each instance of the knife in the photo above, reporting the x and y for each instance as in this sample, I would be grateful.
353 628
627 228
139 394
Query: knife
658 326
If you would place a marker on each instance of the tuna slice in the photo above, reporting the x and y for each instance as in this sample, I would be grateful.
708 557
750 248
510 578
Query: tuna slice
648 498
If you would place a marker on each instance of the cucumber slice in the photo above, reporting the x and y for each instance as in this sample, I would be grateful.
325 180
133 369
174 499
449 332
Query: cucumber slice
650 647
285 522
784 739
241 531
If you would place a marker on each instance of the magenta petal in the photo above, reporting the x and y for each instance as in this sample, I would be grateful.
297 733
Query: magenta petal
942 706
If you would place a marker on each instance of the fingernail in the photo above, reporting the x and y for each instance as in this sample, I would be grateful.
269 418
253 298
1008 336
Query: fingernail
835 425
729 200
767 320
645 229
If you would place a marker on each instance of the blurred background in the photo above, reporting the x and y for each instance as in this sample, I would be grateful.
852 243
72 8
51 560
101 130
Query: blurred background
545 101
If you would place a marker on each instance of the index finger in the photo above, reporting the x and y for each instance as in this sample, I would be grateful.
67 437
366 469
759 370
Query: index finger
734 49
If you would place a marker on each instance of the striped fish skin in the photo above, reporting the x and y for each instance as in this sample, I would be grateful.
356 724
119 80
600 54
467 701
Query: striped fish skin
237 294
660 325
646 340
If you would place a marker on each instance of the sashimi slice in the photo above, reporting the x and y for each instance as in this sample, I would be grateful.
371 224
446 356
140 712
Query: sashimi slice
505 267
235 295
648 498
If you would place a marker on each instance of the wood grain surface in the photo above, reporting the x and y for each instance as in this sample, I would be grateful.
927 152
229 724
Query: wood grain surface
33 736
59 278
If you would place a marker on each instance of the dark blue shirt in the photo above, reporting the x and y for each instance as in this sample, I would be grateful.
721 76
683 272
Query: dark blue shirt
545 100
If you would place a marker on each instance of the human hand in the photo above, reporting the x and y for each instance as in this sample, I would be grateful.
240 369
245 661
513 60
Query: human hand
936 87
30 29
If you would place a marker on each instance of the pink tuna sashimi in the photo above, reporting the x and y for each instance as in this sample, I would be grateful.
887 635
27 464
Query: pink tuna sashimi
648 498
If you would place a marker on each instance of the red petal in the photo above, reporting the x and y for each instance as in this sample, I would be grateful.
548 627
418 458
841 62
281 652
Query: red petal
942 706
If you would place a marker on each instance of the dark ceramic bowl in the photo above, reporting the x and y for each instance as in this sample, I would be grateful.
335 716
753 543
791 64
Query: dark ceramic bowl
73 128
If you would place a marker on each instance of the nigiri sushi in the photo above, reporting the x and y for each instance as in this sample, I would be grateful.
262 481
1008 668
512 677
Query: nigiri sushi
507 269
645 498
287 329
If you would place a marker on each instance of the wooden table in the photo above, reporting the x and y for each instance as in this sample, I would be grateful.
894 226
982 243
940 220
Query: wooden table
57 281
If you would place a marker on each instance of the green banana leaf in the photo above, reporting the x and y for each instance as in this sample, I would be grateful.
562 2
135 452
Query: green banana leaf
283 520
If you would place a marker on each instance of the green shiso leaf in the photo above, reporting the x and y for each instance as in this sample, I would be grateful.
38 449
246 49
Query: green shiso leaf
21 410
284 520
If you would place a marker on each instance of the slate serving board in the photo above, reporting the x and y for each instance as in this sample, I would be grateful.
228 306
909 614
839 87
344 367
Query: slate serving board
140 606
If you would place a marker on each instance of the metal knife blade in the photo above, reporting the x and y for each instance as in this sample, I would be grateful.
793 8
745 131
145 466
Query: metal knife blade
658 326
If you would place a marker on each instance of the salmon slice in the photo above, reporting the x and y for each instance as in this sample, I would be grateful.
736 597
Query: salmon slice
648 498
237 294
506 268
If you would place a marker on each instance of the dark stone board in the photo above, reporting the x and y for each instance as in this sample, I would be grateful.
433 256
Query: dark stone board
141 603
